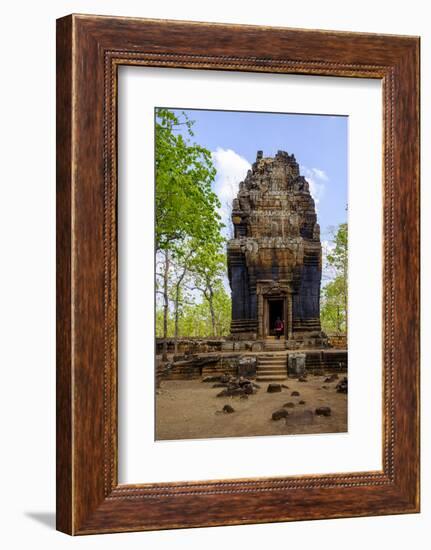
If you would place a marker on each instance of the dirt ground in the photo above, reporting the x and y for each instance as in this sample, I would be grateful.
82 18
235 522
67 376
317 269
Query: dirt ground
189 409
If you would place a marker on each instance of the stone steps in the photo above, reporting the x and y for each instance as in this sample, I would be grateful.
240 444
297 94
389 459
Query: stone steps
271 378
272 346
272 368
272 372
282 358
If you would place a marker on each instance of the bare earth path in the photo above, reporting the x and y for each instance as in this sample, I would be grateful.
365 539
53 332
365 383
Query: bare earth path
189 409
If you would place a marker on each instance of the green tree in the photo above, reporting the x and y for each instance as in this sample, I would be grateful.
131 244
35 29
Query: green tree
180 277
332 310
194 319
334 295
223 310
186 206
208 269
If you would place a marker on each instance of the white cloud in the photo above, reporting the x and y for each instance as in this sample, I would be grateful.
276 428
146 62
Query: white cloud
321 174
316 178
231 170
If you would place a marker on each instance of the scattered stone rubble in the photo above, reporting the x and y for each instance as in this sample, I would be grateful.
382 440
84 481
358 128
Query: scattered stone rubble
247 366
323 411
331 378
233 385
341 387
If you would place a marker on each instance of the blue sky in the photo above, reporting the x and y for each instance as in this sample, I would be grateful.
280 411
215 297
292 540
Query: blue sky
319 143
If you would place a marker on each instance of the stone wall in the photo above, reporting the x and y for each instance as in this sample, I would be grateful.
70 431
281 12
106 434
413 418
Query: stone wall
191 345
337 341
336 360
197 367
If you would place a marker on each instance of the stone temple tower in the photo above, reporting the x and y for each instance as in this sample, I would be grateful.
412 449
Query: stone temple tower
275 256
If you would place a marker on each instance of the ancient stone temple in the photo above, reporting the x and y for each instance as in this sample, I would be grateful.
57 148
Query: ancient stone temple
275 256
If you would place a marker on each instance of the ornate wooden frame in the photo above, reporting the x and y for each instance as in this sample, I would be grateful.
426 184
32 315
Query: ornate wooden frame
89 51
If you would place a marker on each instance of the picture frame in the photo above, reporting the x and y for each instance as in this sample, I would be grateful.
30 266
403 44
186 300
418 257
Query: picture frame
89 51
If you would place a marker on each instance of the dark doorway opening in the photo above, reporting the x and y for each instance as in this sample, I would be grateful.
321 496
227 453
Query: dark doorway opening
276 310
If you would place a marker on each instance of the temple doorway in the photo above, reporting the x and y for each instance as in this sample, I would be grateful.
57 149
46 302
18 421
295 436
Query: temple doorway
275 311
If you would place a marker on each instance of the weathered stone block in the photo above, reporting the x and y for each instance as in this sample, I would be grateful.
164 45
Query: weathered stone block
247 366
273 388
296 364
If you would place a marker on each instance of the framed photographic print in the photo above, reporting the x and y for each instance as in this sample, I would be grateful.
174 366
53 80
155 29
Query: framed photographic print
237 274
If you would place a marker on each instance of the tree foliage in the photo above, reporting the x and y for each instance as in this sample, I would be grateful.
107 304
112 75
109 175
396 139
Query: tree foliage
208 270
190 257
334 295
195 317
186 206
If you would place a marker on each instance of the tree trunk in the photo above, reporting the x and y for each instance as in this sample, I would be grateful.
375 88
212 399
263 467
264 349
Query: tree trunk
177 301
165 307
177 305
211 304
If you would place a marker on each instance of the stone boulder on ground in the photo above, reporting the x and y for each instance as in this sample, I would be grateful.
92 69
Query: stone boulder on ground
323 411
248 389
236 386
230 392
273 388
228 409
247 366
279 414
341 387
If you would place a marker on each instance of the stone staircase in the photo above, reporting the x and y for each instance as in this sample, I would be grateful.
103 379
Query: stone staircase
272 368
273 344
